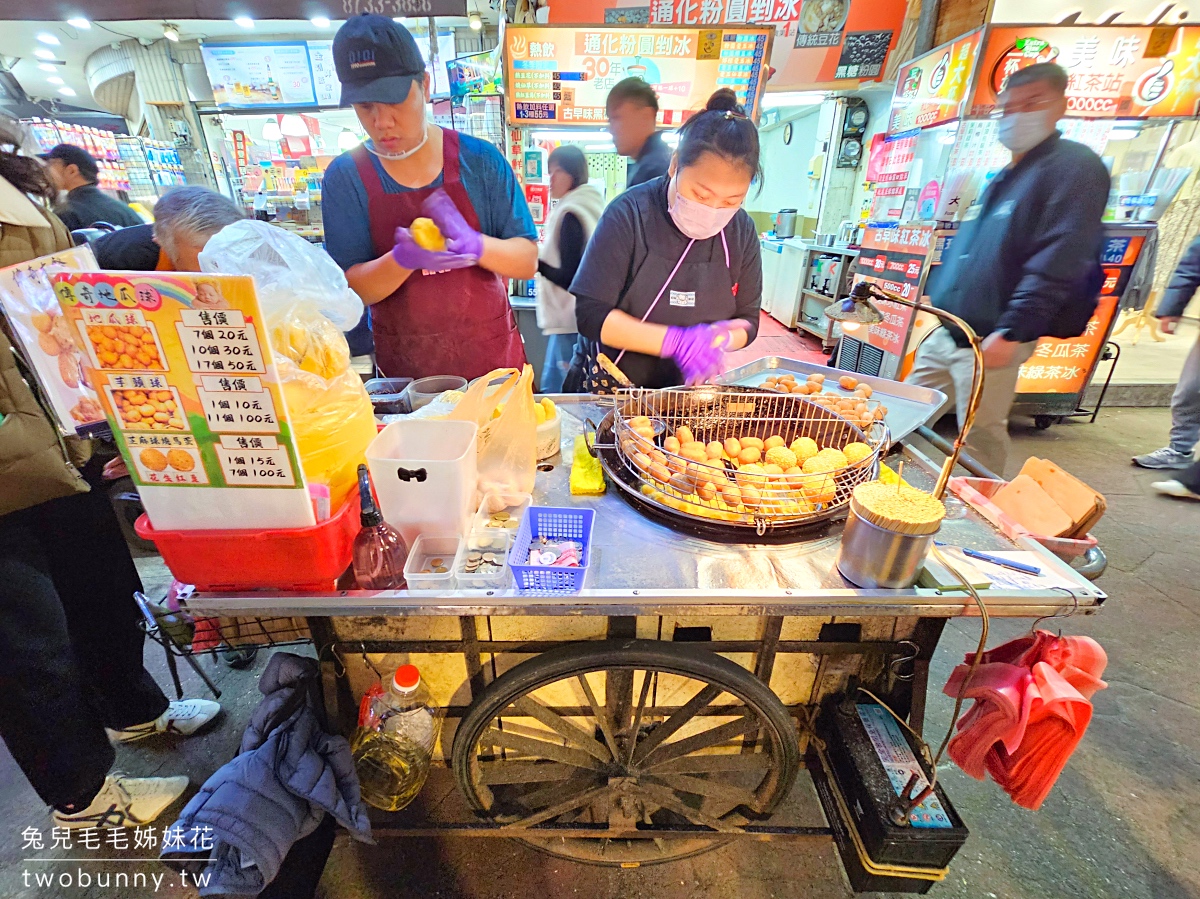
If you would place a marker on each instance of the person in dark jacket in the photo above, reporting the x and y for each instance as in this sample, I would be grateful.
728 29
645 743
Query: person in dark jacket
184 219
632 108
74 170
1185 404
1026 266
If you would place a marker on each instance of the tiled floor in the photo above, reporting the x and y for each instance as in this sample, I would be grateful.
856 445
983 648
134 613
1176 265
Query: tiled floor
776 340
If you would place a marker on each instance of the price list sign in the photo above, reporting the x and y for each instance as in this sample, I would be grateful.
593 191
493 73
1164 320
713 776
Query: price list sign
562 75
183 367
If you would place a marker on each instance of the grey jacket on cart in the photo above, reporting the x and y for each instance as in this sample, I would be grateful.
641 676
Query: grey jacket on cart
288 775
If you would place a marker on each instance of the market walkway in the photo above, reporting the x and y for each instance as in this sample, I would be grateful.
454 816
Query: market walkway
1122 822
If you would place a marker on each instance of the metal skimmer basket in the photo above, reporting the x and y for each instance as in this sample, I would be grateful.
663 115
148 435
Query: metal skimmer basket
716 490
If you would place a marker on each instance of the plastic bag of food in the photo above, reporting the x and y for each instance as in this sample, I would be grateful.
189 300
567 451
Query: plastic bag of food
287 269
307 305
332 419
507 443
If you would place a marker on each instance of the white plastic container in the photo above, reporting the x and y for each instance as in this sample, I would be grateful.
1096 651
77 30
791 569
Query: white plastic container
425 474
421 558
514 504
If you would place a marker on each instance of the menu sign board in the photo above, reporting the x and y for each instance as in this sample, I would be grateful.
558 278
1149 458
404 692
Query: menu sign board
930 90
1064 366
260 75
182 366
36 323
1113 70
561 75
894 260
818 42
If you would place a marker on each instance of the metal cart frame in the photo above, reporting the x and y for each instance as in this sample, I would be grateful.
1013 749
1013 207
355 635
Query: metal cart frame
790 596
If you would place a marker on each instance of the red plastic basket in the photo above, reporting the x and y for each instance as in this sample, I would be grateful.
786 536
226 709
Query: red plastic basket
301 559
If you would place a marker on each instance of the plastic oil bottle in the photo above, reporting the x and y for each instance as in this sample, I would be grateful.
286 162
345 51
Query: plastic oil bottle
393 749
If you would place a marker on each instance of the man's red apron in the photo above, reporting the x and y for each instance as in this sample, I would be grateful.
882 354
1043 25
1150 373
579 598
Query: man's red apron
457 322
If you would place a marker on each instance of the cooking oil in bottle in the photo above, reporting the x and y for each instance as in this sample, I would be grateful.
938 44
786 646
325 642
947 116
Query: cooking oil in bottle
393 749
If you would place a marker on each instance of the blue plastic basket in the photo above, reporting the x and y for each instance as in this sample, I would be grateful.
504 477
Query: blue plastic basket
557 524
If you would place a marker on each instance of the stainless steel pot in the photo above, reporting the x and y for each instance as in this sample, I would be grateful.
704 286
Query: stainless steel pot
871 556
785 223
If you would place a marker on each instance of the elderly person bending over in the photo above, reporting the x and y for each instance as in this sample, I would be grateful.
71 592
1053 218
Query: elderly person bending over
184 219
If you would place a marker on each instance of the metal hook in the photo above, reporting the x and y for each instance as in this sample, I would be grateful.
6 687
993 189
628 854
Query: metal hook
332 649
1074 609
368 662
895 665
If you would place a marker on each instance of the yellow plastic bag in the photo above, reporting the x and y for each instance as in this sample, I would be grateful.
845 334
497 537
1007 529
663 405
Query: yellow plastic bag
331 414
507 455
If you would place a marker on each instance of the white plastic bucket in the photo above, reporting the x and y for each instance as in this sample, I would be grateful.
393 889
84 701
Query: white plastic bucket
425 473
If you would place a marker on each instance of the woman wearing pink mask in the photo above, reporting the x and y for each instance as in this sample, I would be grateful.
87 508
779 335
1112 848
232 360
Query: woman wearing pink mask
672 278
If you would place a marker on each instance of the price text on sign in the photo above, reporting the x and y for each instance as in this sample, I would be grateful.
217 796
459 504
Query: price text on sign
239 412
221 349
256 467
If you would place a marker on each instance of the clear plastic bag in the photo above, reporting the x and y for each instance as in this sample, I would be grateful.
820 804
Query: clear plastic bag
507 443
307 305
287 270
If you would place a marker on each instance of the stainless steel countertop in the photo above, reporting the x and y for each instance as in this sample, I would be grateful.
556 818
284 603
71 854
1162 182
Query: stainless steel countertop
642 567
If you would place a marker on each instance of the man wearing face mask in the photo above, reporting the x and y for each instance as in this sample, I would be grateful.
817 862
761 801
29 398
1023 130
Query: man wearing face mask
1026 262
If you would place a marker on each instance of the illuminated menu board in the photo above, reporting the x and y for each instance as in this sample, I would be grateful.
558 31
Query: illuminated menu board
560 75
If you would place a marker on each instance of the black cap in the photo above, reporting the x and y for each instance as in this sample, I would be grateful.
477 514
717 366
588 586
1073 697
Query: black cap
72 155
377 60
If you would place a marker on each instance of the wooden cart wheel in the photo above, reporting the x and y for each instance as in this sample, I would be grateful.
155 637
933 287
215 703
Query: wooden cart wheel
626 737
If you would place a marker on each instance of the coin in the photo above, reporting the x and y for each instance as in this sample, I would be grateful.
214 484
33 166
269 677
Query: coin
489 558
474 556
436 562
426 571
441 569
512 523
501 516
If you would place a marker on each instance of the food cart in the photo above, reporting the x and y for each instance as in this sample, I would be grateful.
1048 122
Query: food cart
670 704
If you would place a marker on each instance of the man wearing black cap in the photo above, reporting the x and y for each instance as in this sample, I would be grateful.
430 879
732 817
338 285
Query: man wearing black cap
74 170
433 311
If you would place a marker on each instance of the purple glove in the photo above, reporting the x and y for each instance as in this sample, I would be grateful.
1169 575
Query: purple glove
461 238
414 258
699 350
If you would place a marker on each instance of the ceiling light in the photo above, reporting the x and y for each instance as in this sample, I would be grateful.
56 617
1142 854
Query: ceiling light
348 140
793 98
600 148
47 38
171 32
475 21
79 22
243 22
55 80
293 126
66 92
46 67
43 53
271 131
319 21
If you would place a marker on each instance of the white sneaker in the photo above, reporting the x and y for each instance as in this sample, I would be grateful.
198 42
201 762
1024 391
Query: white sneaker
183 717
1174 488
125 801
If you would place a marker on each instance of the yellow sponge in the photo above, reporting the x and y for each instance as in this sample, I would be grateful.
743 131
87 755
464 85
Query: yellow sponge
587 477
